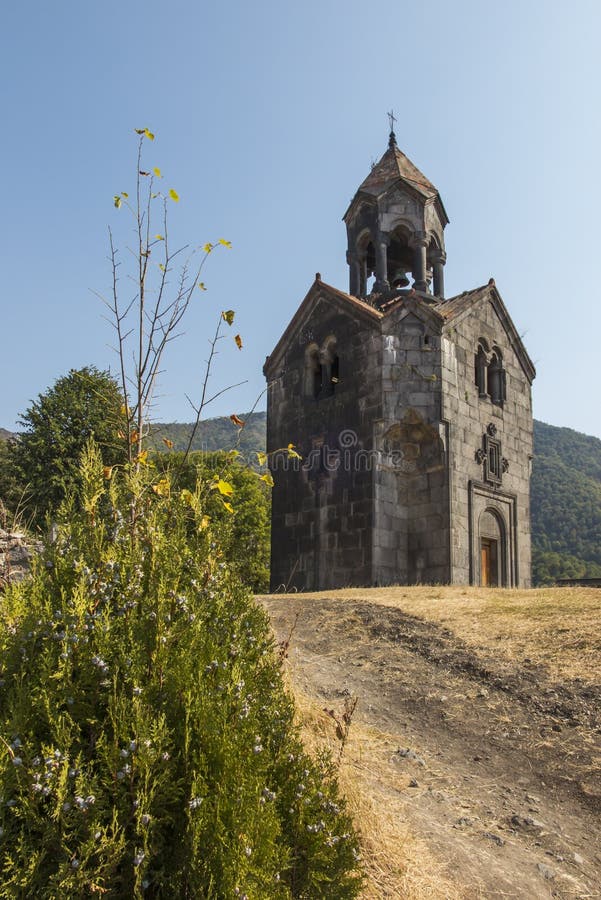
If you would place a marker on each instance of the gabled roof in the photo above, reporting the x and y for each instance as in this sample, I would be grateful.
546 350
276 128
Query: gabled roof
320 290
456 307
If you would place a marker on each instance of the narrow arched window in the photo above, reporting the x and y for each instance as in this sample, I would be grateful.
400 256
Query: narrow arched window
330 366
313 372
497 379
480 368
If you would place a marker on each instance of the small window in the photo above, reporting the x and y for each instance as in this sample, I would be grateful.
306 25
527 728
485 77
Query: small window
313 373
489 373
497 378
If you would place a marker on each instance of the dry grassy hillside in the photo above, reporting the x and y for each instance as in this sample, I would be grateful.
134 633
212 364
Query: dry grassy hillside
473 761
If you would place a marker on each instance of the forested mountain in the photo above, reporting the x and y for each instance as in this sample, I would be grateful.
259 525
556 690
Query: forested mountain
214 434
566 504
566 488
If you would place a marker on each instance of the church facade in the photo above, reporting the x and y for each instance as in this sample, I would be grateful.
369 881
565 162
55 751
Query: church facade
411 412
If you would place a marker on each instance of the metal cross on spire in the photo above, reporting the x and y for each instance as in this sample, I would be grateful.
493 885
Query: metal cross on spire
392 120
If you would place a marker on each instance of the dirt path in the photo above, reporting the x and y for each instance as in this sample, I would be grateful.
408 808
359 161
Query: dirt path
496 768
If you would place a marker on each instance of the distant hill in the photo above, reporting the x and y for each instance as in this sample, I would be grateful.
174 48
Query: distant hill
566 504
566 490
566 487
214 434
6 435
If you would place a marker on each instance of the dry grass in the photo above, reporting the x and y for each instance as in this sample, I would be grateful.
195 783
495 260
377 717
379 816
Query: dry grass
559 628
397 865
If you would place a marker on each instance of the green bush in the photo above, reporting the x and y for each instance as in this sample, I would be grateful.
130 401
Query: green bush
244 533
148 745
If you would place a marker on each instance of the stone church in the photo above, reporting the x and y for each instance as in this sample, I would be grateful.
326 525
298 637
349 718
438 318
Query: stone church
412 412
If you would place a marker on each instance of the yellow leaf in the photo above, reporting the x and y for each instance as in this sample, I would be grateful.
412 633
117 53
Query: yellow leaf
228 506
224 487
228 316
117 200
142 458
267 479
262 457
168 443
201 285
225 243
233 454
157 172
133 437
237 421
187 497
149 134
238 340
162 487
159 237
124 410
161 267
292 454
174 195
107 472
123 194
204 523
207 248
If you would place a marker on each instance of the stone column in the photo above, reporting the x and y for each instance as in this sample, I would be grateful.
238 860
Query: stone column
419 243
381 283
439 258
363 278
354 274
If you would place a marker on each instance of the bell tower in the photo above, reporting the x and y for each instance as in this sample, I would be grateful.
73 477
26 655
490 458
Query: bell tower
395 228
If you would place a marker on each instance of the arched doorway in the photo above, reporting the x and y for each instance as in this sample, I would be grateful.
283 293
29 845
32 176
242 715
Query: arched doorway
491 532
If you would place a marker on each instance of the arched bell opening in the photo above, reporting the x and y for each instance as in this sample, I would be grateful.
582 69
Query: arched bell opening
366 264
399 259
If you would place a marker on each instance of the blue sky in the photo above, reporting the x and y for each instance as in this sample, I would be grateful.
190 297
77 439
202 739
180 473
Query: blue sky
267 116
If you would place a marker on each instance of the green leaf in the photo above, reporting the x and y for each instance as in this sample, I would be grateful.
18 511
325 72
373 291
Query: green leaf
228 316
174 195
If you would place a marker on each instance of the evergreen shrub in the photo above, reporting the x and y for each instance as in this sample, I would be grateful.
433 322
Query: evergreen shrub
147 743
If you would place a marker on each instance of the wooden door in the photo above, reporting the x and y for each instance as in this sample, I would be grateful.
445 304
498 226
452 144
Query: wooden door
489 563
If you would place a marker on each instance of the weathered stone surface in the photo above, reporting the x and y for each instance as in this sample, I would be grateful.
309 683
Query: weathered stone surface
15 556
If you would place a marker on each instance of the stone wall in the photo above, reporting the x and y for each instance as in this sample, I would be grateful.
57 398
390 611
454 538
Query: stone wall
469 417
322 507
